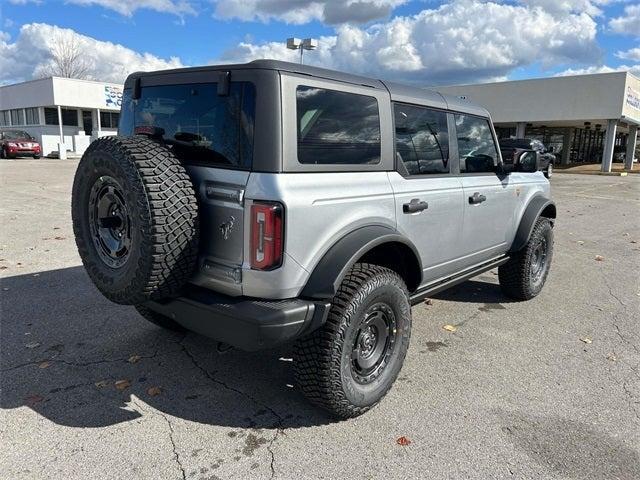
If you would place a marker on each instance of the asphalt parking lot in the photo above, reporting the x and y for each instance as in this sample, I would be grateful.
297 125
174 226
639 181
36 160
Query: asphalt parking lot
546 389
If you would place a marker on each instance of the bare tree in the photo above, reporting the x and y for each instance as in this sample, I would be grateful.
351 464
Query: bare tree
68 58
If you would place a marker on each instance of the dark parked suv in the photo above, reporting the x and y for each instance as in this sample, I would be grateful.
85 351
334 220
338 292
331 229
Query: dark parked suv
546 158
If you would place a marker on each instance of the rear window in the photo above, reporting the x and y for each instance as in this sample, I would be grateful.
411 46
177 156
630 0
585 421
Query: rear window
337 127
198 124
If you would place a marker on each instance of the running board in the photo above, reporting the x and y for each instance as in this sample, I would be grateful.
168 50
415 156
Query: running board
440 285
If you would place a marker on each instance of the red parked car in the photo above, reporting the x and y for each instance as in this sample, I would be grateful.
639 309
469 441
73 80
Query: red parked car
16 143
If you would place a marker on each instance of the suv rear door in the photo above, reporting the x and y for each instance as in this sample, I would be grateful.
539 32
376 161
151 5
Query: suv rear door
212 134
428 194
490 200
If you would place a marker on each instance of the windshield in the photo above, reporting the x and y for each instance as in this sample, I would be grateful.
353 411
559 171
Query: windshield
16 135
197 123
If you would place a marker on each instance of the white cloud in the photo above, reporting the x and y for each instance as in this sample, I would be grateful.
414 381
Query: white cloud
629 23
106 61
128 8
590 7
631 54
635 69
304 11
464 41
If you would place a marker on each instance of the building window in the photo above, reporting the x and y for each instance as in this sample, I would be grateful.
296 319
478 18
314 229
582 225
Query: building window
69 116
109 119
32 116
17 117
337 127
4 118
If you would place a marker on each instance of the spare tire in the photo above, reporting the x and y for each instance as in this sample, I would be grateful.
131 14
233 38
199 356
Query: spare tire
135 219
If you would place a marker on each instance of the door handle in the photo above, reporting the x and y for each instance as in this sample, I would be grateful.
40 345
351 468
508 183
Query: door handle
477 198
415 205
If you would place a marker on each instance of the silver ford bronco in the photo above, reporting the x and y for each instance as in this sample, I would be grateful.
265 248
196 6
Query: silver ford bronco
270 202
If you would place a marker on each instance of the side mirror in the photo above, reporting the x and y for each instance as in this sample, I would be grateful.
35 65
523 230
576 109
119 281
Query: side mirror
526 161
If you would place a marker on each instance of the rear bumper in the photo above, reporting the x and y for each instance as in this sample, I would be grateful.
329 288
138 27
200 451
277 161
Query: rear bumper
246 323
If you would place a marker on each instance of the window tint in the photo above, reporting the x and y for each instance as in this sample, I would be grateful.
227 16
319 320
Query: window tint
199 124
476 147
337 127
422 139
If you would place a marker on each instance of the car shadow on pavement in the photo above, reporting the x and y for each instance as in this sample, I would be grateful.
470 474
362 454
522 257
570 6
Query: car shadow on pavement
480 290
81 361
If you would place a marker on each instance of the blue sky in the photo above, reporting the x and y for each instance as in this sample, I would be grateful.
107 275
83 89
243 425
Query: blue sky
426 42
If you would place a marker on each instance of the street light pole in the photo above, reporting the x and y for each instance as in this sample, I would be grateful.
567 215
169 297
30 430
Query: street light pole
302 45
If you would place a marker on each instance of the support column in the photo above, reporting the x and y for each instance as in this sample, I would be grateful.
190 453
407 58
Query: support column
62 149
609 143
99 122
631 147
567 140
520 129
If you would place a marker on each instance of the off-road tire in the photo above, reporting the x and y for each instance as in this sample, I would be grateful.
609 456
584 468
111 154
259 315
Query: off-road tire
517 278
159 319
162 214
323 359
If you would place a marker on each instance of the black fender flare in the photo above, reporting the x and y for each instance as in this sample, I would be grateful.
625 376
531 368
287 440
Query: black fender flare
336 262
536 207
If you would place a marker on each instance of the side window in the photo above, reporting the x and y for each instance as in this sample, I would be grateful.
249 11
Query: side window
337 127
476 146
422 139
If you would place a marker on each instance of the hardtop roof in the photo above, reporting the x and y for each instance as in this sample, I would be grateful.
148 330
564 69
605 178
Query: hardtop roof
398 92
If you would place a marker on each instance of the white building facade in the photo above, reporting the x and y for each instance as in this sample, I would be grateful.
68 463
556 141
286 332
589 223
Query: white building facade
585 118
63 114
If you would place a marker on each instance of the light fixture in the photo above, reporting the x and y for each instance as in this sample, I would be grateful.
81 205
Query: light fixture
302 45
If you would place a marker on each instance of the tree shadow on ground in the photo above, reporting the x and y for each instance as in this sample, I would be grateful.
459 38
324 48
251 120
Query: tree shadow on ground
63 347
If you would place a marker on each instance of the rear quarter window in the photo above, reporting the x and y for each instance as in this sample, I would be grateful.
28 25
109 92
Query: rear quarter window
198 124
336 127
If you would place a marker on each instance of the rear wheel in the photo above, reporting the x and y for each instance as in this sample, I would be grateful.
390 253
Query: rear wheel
549 170
348 365
135 219
524 275
3 153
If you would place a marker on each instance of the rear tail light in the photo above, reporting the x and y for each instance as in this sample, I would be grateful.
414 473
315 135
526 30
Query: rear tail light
266 235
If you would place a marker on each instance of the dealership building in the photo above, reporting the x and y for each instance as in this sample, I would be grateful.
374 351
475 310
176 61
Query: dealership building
61 112
584 118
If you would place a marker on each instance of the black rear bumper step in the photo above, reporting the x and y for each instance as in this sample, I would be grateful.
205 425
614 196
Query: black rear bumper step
440 285
246 323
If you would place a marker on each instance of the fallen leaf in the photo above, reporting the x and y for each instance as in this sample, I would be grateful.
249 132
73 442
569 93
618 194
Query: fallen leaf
102 383
599 258
56 228
428 301
59 238
153 391
3 267
580 242
32 345
122 384
634 241
586 340
31 400
403 441
134 359
612 357
44 365
450 328
625 234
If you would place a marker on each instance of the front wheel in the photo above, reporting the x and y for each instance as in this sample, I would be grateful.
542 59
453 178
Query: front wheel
348 365
524 275
549 171
3 153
